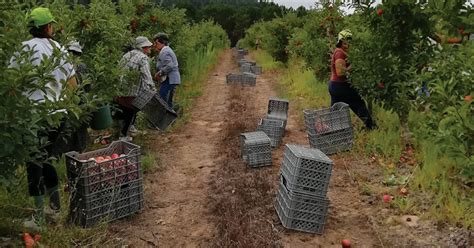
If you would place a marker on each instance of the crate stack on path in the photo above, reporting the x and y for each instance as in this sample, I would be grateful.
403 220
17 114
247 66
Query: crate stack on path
330 129
256 149
155 108
249 67
301 202
105 184
274 123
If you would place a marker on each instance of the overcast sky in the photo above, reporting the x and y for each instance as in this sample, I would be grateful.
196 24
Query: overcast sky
309 3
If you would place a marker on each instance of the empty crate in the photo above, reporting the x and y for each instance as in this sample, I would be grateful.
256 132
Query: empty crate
274 128
158 113
105 190
243 79
256 148
306 170
278 109
300 211
330 129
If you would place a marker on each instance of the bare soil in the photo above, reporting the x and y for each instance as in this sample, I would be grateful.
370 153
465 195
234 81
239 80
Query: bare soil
205 195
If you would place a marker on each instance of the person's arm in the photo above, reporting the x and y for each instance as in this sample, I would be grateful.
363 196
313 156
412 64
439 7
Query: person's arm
145 73
166 64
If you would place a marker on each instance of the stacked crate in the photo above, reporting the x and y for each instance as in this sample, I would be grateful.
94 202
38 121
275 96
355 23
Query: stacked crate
274 123
158 113
256 149
301 201
105 190
250 68
274 128
330 129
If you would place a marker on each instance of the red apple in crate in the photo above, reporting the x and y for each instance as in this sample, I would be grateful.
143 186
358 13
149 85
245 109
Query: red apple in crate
114 156
321 127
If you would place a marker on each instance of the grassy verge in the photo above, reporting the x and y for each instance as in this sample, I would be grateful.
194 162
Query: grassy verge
433 190
15 205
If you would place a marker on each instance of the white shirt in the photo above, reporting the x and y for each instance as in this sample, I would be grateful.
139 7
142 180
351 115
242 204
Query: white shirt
65 70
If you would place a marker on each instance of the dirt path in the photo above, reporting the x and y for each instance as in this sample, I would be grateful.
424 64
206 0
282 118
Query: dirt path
206 196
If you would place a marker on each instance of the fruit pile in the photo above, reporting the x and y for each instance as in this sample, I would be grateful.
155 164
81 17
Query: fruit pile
111 170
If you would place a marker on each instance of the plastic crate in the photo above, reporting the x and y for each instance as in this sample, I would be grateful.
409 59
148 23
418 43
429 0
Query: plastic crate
159 114
311 223
246 67
143 97
300 159
249 79
87 177
256 69
245 61
108 205
256 149
244 79
278 109
334 142
317 185
327 120
302 202
274 128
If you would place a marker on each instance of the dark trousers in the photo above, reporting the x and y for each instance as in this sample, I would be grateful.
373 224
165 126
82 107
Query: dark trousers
167 92
43 175
344 92
128 116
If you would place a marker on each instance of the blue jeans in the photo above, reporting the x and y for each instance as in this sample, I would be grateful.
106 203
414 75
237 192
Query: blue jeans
343 92
167 92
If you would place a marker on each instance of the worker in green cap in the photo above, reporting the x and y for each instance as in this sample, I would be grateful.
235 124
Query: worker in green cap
42 177
340 87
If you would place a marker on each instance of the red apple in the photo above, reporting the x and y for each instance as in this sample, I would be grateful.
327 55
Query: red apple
379 12
114 156
381 85
346 243
387 198
468 98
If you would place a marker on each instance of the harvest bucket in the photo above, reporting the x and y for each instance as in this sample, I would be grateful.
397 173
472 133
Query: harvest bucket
102 118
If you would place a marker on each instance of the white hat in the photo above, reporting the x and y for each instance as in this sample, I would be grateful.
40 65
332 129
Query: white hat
142 41
74 46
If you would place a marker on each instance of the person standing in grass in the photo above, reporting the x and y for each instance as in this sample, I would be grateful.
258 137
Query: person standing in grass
167 68
42 176
136 59
340 88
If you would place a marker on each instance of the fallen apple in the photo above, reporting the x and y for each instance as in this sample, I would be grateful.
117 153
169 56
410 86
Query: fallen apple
346 243
403 191
387 198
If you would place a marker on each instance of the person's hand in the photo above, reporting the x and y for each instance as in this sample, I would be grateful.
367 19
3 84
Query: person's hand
157 77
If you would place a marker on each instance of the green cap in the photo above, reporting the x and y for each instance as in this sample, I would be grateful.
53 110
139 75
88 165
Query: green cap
40 16
344 35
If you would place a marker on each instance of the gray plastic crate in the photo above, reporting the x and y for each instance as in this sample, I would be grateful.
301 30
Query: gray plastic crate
87 177
246 67
274 128
159 114
142 98
300 159
246 78
107 205
245 61
256 149
334 142
327 120
311 223
278 109
316 185
302 202
256 69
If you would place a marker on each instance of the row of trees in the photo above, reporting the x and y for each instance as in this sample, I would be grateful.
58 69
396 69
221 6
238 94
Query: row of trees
403 59
104 28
